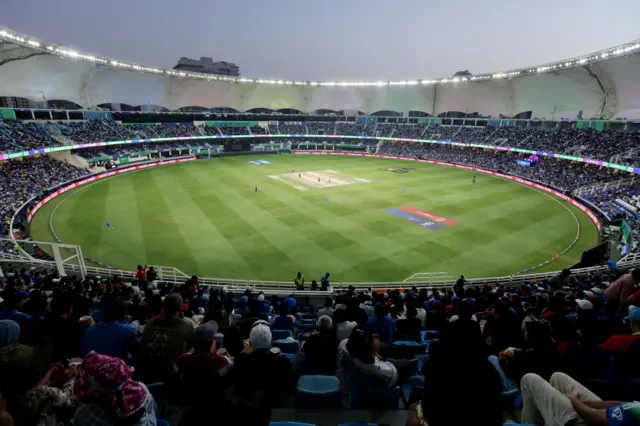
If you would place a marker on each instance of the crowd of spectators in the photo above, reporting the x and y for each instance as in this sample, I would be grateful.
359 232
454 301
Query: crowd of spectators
613 146
561 174
20 136
288 129
101 350
20 180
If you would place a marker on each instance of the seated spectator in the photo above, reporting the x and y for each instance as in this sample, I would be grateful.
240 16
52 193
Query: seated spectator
610 324
283 321
321 350
108 396
409 328
163 339
233 341
368 369
260 379
307 306
34 388
9 332
242 308
622 288
449 373
64 333
200 371
626 348
11 309
264 306
503 328
290 302
539 355
464 330
343 327
381 324
111 337
327 309
564 401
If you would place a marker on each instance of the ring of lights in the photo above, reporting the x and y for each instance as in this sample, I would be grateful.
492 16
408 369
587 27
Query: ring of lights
351 138
55 49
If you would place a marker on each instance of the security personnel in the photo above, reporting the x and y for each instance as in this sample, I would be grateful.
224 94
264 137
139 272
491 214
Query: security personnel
299 282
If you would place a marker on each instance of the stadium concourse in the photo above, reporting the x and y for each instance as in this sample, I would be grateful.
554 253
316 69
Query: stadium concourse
558 351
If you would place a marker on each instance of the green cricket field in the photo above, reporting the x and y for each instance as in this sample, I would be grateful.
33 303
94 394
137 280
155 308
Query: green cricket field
361 219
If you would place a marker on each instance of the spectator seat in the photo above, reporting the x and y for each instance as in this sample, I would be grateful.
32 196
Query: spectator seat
318 392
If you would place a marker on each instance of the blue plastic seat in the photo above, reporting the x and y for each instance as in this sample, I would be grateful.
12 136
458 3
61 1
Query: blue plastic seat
358 424
408 349
374 399
429 334
509 399
407 388
280 334
289 424
287 347
318 392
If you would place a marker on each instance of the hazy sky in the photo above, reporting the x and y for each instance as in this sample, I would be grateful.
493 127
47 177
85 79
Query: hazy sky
333 39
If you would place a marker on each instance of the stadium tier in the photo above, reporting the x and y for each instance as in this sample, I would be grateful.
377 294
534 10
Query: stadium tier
380 193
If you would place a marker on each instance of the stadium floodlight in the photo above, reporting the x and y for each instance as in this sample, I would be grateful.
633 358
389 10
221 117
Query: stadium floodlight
33 43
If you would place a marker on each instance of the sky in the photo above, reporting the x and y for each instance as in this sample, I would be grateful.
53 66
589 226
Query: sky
332 39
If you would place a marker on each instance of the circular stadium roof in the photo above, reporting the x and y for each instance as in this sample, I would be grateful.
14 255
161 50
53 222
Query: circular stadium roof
600 85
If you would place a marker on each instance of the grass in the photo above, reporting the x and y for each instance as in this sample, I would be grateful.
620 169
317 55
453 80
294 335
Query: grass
205 218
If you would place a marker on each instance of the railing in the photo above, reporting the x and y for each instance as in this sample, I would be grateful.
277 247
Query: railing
172 275
75 265
590 189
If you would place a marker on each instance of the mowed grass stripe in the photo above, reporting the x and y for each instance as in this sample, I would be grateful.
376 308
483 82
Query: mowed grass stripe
259 252
228 230
164 243
325 228
209 248
303 250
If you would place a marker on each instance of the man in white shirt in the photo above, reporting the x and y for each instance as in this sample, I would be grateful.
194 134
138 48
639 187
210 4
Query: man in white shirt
343 327
327 309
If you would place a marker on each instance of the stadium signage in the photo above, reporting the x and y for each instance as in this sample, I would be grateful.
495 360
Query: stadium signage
185 138
99 176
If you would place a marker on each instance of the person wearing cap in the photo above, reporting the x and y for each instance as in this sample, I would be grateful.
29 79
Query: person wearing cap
200 370
33 386
263 305
622 288
163 340
108 396
564 401
321 349
260 378
619 345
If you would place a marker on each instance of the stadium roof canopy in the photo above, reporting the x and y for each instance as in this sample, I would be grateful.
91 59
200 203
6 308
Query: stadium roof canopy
603 84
